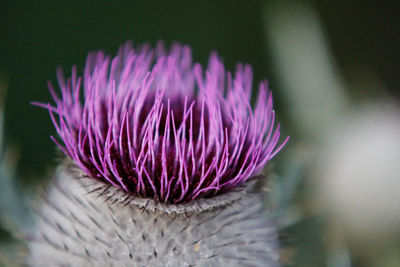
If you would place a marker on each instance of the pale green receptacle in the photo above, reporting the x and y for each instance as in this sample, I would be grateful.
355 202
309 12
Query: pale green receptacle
85 223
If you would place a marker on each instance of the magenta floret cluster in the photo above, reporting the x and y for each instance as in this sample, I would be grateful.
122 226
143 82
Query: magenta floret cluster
157 125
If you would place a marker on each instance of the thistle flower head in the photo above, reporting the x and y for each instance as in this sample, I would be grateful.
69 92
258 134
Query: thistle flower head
155 125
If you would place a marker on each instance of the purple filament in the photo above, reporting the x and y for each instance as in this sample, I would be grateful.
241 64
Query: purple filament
155 125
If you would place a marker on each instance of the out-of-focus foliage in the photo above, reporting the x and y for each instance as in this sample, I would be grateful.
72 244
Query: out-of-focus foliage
343 165
13 215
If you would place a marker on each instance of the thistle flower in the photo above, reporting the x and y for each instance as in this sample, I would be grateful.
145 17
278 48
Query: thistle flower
152 138
155 126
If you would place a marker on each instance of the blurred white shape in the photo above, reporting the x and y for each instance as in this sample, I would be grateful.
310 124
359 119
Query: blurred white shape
307 74
358 171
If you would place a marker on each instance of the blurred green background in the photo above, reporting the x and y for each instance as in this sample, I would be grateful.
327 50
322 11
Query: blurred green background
38 36
361 39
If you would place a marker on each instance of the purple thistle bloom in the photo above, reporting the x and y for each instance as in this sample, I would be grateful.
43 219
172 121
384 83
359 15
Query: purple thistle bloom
155 125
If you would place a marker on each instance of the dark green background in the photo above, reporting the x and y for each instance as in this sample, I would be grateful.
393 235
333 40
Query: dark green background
38 36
